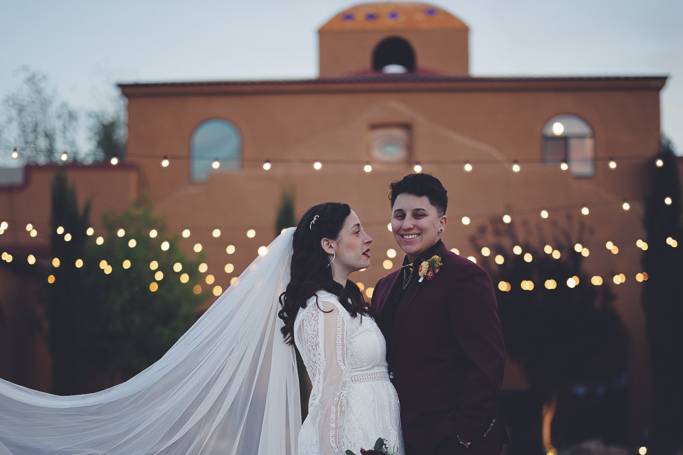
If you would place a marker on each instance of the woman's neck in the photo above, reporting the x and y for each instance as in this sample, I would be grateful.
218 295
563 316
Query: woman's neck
340 275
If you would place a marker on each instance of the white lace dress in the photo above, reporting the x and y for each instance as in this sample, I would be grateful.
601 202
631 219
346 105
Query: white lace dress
352 402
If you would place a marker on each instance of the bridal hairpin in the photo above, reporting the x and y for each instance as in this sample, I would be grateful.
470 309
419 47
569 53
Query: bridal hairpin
310 225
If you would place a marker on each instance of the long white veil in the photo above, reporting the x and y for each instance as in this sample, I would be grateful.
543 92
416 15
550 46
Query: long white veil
228 386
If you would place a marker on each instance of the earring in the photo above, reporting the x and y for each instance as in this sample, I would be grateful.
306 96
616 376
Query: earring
334 256
440 230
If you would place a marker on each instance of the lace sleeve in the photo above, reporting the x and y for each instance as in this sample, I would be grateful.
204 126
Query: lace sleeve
332 329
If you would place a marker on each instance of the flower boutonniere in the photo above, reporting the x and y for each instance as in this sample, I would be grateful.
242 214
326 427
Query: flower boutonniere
429 268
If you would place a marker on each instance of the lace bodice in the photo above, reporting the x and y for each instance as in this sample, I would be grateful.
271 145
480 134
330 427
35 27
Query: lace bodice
345 358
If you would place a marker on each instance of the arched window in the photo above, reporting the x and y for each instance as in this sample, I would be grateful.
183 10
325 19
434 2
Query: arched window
568 138
214 140
393 55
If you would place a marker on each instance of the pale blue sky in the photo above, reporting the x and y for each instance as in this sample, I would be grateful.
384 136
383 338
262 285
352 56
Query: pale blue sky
85 46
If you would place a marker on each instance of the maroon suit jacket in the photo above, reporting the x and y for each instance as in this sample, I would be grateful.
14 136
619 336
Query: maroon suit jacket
447 358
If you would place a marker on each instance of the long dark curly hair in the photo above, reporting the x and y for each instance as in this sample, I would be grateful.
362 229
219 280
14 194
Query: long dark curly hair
310 268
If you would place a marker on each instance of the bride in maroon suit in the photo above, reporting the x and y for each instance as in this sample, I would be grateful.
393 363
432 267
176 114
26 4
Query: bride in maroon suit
444 340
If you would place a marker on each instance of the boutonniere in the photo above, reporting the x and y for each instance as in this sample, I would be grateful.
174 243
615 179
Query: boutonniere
429 268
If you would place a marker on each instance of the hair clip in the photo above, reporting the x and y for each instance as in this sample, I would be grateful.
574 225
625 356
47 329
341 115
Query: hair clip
310 225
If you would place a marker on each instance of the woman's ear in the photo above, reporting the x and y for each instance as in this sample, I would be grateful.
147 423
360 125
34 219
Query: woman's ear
443 222
327 245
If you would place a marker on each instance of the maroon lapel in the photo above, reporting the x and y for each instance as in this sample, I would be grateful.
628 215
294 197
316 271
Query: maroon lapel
386 290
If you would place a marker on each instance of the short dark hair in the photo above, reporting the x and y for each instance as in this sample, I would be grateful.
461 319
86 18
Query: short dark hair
421 185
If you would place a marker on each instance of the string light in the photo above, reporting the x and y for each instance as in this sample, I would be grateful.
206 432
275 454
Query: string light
67 237
517 250
485 251
626 206
550 284
197 248
317 165
15 154
60 230
558 128
668 200
417 168
528 257
466 220
612 164
585 211
64 156
262 250
186 233
659 162
367 168
544 214
267 165
165 245
499 259
391 253
564 167
596 280
468 167
229 268
527 285
230 249
472 259
516 167
114 161
504 286
369 292
507 219
120 232
90 232
672 242
251 233
216 233
165 162
203 267
388 264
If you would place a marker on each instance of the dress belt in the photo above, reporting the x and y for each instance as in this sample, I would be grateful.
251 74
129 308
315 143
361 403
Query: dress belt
370 376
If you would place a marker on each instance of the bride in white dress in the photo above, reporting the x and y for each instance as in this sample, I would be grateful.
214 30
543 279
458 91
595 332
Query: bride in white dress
229 385
352 402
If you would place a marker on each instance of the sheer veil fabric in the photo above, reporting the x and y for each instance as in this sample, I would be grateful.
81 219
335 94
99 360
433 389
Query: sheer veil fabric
228 386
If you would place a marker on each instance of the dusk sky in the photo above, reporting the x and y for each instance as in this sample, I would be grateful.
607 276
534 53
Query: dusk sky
86 47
